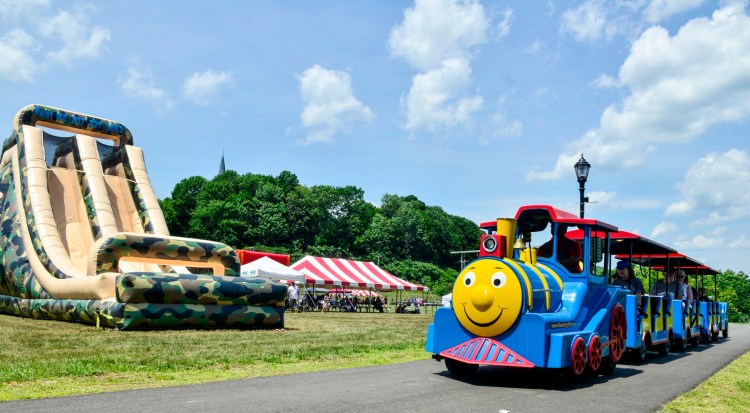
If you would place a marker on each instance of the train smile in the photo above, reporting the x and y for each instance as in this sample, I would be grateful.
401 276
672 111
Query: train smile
483 324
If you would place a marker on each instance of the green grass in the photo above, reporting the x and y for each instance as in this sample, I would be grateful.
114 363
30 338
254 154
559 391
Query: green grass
726 391
50 358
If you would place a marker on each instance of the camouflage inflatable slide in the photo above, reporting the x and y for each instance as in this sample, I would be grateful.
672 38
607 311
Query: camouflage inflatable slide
84 239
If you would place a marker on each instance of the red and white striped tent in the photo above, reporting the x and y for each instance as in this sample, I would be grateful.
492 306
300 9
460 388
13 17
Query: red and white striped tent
348 273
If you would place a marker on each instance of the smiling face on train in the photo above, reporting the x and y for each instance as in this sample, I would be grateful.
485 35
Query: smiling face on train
487 297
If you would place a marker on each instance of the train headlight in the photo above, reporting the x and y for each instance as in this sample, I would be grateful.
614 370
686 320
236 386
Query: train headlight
489 244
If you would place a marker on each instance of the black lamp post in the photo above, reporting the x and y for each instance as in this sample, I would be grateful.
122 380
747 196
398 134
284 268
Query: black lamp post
582 173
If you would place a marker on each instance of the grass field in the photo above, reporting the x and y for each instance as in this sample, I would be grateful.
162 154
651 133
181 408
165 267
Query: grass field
51 358
726 391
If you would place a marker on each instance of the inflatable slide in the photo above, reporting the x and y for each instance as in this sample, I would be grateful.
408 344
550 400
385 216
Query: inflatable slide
84 239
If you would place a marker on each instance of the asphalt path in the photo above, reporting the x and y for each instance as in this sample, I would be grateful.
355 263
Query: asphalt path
424 386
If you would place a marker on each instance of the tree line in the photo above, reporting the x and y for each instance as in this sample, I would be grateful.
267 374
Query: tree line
407 237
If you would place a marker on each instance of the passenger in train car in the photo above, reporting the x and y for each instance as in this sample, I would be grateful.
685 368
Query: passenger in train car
687 292
668 284
569 252
626 279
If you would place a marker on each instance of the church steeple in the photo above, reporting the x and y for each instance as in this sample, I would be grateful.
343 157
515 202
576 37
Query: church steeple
222 168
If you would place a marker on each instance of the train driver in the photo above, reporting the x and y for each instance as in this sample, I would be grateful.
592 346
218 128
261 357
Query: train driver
569 252
626 279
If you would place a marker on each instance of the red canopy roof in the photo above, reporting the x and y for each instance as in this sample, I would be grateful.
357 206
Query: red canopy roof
348 273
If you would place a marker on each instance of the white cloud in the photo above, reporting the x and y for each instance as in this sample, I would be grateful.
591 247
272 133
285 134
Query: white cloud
79 39
438 39
437 100
143 86
679 85
587 22
499 126
435 31
503 26
14 9
605 82
740 243
678 208
659 10
716 188
700 242
330 104
200 88
16 63
663 228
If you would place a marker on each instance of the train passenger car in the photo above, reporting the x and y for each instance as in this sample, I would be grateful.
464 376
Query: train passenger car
524 307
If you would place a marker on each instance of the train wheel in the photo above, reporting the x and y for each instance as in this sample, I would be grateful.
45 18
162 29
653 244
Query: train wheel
705 338
578 357
639 354
694 341
725 332
607 367
679 345
459 368
617 333
560 377
595 353
663 348
714 336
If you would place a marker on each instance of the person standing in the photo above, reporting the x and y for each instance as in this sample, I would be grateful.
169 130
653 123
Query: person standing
293 294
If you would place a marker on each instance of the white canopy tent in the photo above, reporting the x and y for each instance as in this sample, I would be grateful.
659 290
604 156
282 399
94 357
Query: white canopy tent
265 267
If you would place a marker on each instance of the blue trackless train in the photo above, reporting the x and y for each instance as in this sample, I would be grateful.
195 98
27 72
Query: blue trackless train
552 307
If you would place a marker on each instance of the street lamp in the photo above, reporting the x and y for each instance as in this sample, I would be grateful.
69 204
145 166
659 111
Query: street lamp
582 173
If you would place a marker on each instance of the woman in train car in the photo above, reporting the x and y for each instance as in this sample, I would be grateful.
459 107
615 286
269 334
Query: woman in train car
626 279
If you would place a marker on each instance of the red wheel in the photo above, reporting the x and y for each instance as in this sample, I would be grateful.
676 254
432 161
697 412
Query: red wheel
617 333
595 353
578 356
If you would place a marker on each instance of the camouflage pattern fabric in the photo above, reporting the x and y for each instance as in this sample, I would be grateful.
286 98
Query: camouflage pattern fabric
161 316
198 289
32 114
108 312
133 245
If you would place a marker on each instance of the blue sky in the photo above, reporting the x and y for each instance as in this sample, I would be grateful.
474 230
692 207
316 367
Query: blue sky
477 107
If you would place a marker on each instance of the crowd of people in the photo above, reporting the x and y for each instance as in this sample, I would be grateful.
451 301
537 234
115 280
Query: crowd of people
325 302
674 283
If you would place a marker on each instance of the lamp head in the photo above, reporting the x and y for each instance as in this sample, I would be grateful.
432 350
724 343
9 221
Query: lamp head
582 169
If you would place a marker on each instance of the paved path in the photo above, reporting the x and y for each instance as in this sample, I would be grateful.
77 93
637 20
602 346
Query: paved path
423 386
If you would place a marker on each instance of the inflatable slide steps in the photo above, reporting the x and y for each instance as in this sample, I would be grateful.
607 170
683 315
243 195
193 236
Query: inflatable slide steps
85 240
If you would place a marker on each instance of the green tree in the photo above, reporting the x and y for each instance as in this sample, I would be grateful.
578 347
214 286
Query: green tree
180 207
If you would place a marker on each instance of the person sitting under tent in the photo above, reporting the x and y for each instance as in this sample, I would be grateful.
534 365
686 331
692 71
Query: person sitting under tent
326 304
378 304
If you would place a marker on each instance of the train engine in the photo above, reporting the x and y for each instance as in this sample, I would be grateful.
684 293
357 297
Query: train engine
513 308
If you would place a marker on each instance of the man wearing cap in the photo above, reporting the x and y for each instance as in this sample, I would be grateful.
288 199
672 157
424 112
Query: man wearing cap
627 279
668 285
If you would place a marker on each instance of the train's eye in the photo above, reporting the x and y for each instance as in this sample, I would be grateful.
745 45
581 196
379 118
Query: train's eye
469 279
498 280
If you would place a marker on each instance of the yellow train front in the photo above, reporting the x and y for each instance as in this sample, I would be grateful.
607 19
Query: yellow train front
510 308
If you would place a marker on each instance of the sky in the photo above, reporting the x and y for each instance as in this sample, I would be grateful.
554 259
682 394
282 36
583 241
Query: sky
476 107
